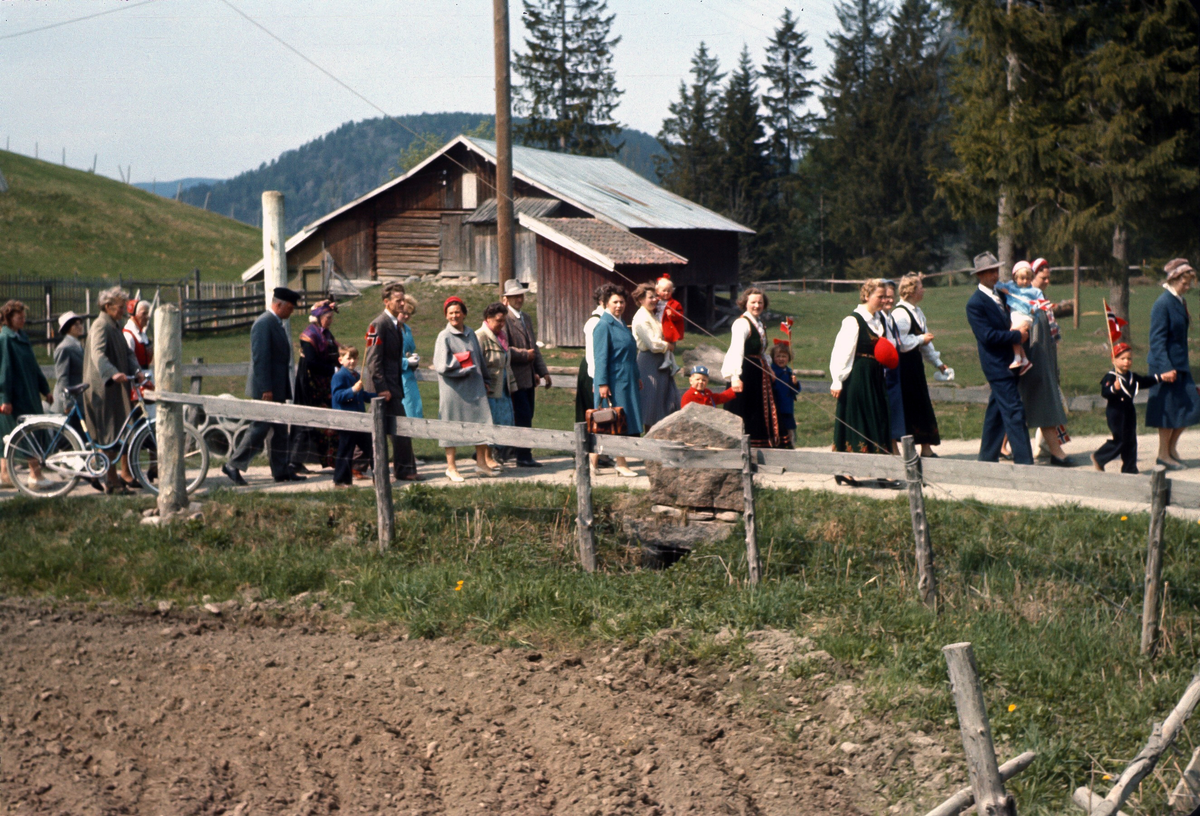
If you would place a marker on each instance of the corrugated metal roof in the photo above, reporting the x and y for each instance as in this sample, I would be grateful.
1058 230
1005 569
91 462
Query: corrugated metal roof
485 213
617 245
609 190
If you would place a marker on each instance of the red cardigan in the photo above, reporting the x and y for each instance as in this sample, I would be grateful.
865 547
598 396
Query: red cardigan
706 397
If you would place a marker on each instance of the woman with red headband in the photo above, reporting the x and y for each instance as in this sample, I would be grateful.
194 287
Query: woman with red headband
462 388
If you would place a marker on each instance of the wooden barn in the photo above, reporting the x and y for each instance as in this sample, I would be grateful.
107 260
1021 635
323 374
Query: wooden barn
581 222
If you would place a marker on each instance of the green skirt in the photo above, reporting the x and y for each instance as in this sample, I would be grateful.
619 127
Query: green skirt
863 421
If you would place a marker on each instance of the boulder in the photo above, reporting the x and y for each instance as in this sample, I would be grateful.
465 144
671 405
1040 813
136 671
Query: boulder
703 427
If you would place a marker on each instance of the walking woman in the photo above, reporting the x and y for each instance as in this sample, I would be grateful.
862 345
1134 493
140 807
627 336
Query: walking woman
462 387
68 362
22 385
493 342
314 378
748 371
1039 387
616 380
916 349
891 376
660 396
863 421
1173 406
108 366
413 406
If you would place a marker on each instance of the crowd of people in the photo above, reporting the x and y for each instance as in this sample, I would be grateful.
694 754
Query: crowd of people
489 375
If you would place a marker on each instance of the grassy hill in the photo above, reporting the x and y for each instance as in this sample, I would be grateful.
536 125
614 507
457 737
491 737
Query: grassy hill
56 222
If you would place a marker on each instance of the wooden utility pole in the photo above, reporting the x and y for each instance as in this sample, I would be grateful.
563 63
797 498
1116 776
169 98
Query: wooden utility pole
274 253
504 186
1005 240
1075 295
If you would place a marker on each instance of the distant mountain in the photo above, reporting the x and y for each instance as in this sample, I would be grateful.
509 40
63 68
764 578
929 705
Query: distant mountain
357 157
167 189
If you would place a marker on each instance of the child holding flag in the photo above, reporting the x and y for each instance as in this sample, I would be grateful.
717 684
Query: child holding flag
1119 387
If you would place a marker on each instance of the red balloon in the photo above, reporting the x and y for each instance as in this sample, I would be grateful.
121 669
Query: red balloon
886 354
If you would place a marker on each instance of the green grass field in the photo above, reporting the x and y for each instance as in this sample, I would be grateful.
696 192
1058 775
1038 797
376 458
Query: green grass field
56 222
1050 598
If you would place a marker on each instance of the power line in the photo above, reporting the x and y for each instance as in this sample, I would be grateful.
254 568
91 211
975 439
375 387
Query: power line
76 20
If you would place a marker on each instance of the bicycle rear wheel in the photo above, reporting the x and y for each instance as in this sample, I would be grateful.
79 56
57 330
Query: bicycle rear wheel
50 449
143 458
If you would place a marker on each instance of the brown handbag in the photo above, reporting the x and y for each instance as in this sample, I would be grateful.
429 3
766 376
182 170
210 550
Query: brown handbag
609 420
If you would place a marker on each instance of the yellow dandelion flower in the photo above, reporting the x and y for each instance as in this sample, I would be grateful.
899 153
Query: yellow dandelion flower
1106 777
1124 518
459 587
1012 707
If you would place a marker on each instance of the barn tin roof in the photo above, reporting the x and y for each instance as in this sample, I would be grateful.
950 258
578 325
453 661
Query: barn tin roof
538 207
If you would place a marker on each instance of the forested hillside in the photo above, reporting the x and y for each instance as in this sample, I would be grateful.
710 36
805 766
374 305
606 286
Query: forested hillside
336 168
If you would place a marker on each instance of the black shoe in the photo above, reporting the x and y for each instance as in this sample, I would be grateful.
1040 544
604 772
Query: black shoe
530 464
292 477
234 475
1060 461
299 468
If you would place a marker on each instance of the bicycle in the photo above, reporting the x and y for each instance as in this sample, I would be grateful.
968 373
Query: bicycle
53 445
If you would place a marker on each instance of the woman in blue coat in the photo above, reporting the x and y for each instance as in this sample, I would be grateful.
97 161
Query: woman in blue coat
1173 406
410 362
615 352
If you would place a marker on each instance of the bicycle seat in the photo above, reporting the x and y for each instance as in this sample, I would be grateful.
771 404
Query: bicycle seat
76 389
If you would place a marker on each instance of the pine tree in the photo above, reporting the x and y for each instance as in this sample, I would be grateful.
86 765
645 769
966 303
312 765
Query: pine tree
689 135
569 89
789 89
745 170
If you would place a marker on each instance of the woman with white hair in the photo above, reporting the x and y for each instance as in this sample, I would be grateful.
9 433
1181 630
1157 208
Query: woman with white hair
1173 406
108 366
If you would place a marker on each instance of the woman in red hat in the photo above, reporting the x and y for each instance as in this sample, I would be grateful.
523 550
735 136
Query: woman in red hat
860 352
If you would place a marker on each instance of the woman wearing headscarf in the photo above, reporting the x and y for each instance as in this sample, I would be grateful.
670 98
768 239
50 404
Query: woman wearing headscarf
314 378
462 387
863 419
22 384
747 368
413 406
616 380
1172 406
916 349
108 366
659 396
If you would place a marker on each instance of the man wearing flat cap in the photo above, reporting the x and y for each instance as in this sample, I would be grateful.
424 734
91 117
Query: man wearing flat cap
271 380
988 314
529 369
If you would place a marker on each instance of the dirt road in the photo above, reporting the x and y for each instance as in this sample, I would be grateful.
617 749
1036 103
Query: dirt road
107 713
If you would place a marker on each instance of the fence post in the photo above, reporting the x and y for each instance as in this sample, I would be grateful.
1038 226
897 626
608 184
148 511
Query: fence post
384 512
195 384
584 518
926 576
990 796
168 425
1151 604
755 566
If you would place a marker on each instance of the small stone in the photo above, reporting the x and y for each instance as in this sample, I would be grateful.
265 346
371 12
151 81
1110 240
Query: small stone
114 682
420 664
165 606
646 765
666 510
699 515
36 622
430 750
849 748
729 516
350 665
739 773
212 609
153 511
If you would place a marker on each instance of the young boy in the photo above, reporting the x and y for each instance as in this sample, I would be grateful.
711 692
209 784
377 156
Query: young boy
1119 387
786 388
670 313
1021 300
348 395
699 390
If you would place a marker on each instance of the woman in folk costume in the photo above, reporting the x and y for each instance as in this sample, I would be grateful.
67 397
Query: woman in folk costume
891 375
863 423
916 349
314 383
1172 406
747 368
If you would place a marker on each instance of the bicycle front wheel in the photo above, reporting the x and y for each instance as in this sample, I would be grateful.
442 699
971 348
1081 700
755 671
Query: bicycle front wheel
143 458
45 458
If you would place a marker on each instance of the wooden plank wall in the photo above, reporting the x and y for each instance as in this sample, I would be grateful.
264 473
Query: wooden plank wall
565 286
409 243
487 263
350 240
457 241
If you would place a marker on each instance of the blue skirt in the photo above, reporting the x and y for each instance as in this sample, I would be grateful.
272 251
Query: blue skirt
895 402
1174 405
502 410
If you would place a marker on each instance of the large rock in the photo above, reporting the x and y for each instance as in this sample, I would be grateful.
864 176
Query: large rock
704 427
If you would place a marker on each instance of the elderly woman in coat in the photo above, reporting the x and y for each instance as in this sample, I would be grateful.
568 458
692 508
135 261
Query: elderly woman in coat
68 360
462 387
616 381
1176 405
22 384
108 366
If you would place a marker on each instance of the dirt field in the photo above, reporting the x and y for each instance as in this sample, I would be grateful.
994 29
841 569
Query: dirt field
194 713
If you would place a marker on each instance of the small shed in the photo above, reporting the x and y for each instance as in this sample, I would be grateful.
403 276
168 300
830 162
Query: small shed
581 221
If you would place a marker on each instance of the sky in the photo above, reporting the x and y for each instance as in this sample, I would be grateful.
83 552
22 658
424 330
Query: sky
184 88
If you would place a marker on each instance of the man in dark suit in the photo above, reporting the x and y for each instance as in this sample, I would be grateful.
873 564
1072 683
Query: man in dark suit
988 315
271 380
527 364
381 374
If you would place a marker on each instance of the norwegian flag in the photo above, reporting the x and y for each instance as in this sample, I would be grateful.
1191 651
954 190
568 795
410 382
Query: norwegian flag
786 327
1115 324
373 338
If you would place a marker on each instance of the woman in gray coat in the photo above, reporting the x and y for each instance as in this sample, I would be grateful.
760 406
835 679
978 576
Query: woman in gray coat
108 367
462 387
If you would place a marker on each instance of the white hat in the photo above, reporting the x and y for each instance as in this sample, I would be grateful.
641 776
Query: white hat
512 286
65 319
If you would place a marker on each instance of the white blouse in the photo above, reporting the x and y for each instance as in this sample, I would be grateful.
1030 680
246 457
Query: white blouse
841 361
647 331
908 342
589 352
732 367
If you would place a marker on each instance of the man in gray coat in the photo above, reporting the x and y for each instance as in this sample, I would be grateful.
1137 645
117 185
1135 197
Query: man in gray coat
527 364
381 374
271 380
